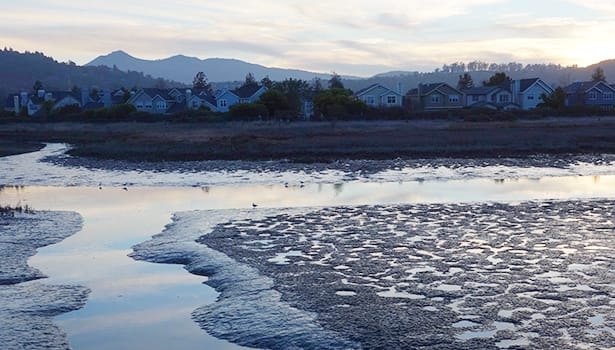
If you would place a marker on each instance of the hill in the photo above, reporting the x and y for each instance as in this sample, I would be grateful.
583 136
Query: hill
183 68
19 71
555 75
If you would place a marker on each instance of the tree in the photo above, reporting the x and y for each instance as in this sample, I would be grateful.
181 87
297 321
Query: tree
316 84
274 100
38 85
465 81
266 82
598 75
556 100
336 81
497 79
336 104
200 82
250 80
295 90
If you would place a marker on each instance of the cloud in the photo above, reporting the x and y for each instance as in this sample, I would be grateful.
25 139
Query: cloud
358 36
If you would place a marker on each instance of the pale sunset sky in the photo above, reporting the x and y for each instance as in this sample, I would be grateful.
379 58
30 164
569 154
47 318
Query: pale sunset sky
350 37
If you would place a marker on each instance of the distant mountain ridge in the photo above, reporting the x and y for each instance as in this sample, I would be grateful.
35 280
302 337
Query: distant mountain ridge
19 71
183 68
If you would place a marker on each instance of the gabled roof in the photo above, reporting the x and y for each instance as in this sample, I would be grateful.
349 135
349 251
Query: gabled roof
585 86
205 97
485 90
525 84
246 91
374 86
152 92
427 89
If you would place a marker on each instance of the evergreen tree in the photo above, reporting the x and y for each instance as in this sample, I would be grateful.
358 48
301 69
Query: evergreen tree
465 81
335 82
598 75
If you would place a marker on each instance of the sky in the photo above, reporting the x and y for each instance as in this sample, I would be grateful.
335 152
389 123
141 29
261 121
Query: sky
349 37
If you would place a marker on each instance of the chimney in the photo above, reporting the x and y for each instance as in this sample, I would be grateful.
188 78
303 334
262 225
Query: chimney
106 97
399 86
24 98
188 96
85 97
16 104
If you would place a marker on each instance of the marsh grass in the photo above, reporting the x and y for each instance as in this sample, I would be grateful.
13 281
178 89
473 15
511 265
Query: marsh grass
12 210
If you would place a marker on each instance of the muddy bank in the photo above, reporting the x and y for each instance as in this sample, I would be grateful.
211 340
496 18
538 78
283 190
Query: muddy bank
476 276
304 142
425 276
26 308
8 148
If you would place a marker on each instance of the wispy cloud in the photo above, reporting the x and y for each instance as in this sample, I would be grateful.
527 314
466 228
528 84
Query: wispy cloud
360 36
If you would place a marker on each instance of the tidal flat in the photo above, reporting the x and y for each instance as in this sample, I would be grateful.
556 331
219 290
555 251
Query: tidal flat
435 253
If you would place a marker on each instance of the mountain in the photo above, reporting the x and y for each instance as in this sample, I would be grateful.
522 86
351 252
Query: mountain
19 71
183 68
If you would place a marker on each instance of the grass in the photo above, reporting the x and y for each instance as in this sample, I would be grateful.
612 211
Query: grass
11 211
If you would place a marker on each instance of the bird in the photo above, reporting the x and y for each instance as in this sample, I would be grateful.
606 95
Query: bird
254 205
286 184
125 188
100 185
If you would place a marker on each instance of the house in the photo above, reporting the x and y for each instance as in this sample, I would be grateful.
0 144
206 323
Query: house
152 100
245 94
527 92
436 96
491 97
378 95
33 104
590 93
196 99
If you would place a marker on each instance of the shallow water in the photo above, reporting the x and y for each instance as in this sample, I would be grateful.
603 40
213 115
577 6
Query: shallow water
141 305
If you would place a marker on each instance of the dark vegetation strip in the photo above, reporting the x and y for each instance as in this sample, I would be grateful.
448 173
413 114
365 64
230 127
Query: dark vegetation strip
323 142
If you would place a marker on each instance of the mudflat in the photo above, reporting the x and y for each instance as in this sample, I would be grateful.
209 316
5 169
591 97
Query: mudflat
322 141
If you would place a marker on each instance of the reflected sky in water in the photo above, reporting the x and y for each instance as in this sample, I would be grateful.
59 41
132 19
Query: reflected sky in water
141 305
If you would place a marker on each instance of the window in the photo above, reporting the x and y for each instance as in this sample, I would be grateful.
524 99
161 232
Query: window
607 96
222 103
391 99
435 98
503 98
148 105
475 98
593 95
530 97
195 104
453 98
161 105
370 100
139 105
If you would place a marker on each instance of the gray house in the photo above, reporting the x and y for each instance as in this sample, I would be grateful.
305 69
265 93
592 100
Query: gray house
491 97
438 96
155 101
378 95
590 93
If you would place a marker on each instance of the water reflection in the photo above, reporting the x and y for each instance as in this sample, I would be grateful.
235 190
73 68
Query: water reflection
116 219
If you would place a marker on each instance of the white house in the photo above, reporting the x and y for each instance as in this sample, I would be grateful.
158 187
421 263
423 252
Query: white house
527 92
378 95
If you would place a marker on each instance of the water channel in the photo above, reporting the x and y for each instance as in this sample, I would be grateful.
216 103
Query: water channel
136 304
